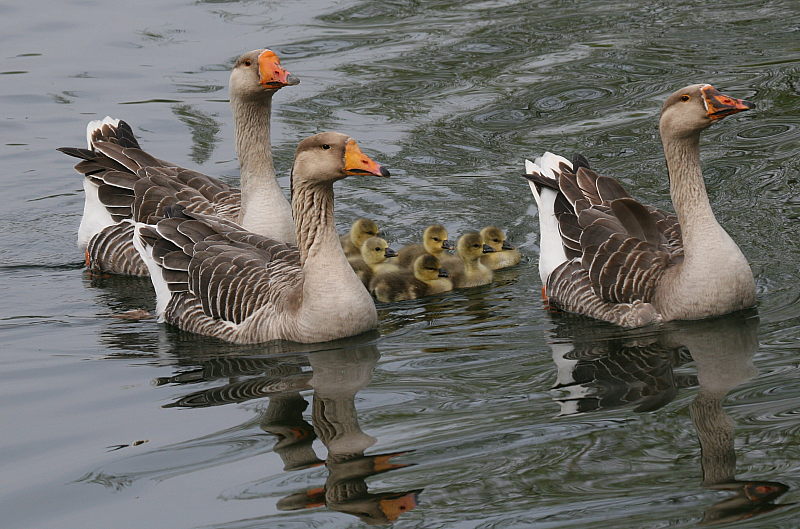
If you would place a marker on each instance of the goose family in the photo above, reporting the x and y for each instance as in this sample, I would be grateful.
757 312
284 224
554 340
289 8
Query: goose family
607 256
426 278
213 277
246 266
123 183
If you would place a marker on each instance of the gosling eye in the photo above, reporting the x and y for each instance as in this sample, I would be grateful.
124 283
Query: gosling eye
685 97
476 245
495 240
378 249
437 239
326 146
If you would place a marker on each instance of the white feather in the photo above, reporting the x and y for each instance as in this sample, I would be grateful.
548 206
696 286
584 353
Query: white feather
551 251
163 294
95 125
95 215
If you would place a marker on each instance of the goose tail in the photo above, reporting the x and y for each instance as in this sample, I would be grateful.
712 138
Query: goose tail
542 174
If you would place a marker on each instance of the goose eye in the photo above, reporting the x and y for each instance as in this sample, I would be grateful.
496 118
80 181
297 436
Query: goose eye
378 249
436 239
247 62
326 146
685 97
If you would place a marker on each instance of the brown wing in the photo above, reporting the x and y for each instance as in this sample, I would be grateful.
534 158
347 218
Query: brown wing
623 245
218 274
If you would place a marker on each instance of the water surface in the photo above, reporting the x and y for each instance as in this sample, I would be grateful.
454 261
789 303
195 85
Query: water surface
474 409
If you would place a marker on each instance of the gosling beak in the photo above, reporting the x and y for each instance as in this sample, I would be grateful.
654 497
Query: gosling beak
358 163
507 246
487 249
271 74
718 105
443 273
390 253
447 245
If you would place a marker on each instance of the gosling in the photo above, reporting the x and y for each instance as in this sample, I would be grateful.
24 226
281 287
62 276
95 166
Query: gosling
504 254
427 279
360 231
468 271
434 242
373 260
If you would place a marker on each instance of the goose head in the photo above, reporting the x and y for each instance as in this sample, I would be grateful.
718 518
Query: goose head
361 230
376 250
259 73
434 239
327 157
691 109
428 268
494 237
470 246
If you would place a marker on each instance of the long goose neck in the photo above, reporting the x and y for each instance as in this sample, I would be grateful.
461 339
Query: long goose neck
312 209
715 430
252 125
688 190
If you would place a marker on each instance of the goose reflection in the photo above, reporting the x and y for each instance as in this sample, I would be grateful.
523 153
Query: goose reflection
637 369
335 376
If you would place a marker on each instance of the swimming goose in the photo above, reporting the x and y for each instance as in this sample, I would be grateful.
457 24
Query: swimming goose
426 279
605 255
434 242
468 270
121 178
213 277
504 254
360 231
374 259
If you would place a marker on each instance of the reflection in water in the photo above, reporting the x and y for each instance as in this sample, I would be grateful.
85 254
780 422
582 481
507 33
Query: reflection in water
204 128
637 370
336 376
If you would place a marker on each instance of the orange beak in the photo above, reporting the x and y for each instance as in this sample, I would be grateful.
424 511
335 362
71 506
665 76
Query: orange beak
271 74
394 507
718 105
356 162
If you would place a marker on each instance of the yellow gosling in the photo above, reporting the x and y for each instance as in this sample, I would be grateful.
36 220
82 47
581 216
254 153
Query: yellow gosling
434 242
504 254
360 231
468 271
426 279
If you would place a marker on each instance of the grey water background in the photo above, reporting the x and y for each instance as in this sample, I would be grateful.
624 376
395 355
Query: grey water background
478 408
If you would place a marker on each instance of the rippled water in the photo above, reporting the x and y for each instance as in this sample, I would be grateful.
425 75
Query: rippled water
477 408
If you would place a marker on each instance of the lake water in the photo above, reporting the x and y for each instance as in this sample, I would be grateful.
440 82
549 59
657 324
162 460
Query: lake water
474 409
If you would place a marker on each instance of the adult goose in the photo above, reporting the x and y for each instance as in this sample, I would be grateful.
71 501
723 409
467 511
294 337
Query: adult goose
213 277
605 255
120 177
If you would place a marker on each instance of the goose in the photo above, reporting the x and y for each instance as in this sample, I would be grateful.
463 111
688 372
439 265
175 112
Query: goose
360 231
468 270
607 256
374 259
425 279
504 254
434 242
120 178
215 278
